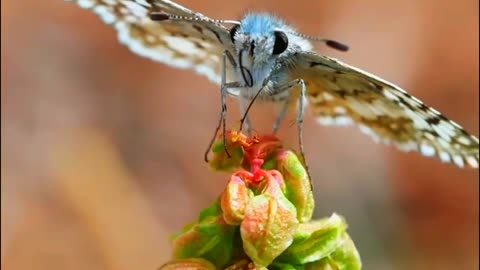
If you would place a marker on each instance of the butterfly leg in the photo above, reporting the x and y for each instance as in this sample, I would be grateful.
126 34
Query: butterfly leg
300 115
301 106
282 114
302 102
223 97
244 104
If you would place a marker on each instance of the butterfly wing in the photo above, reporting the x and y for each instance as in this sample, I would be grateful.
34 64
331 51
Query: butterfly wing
196 45
340 94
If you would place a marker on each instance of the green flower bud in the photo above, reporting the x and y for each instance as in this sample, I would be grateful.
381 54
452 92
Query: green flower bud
211 239
269 225
298 185
345 257
316 241
220 160
234 200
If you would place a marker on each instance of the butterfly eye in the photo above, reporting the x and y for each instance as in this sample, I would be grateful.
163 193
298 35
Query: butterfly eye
233 32
281 42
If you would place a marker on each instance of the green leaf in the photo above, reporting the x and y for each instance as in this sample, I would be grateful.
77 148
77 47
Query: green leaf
213 210
346 256
211 239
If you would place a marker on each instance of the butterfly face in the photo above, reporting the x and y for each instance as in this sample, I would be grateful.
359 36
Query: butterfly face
260 41
261 37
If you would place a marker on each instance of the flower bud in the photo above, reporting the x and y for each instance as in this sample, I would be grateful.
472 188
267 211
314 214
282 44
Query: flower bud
269 225
220 160
234 200
210 239
298 185
345 257
316 241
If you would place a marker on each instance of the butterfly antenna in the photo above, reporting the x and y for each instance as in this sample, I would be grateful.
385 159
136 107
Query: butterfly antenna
330 43
160 16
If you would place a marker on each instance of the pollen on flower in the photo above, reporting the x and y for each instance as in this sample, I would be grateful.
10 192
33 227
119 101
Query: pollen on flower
242 139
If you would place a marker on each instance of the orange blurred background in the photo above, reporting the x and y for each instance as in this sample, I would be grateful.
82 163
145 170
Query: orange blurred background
102 151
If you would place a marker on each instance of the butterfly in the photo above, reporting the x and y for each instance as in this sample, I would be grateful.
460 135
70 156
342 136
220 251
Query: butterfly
261 57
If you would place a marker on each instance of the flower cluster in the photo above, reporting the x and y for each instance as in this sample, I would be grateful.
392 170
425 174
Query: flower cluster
263 217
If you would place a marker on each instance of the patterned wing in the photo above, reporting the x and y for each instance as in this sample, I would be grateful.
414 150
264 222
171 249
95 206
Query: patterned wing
340 95
194 44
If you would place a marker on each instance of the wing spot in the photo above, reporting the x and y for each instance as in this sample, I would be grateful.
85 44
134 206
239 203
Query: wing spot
422 106
325 120
340 110
367 130
394 126
458 160
427 150
406 147
433 120
123 10
444 157
86 3
464 140
429 136
151 39
472 161
106 14
343 120
198 28
328 97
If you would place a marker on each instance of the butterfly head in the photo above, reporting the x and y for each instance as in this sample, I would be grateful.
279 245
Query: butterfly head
265 38
261 39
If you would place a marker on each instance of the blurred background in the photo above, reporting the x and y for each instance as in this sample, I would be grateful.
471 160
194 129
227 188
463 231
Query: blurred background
102 151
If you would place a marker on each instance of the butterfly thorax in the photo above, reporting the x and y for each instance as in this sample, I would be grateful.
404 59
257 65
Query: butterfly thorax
262 42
